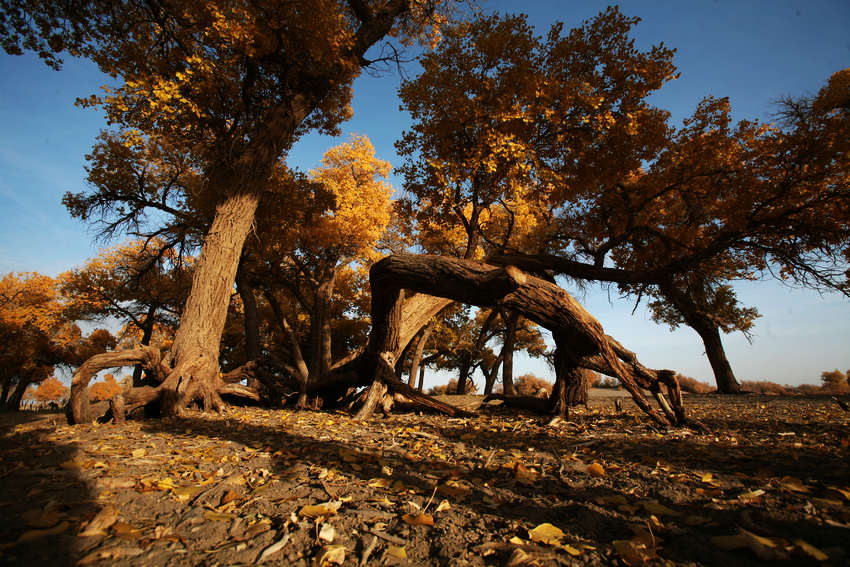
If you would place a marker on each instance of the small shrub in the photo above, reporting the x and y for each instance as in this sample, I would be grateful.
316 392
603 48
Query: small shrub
608 382
451 388
764 387
531 385
692 385
101 391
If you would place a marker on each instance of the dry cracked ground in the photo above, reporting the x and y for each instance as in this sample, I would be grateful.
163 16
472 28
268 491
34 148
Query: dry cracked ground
770 483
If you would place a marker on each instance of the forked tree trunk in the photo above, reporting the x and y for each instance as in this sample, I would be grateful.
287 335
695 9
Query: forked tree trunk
492 374
424 335
511 321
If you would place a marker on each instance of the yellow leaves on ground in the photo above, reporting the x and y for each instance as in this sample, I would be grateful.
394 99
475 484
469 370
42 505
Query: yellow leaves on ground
397 551
320 510
421 519
546 533
101 522
632 553
333 555
595 470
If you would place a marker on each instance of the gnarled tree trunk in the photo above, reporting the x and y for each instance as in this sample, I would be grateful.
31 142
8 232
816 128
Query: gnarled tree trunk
484 285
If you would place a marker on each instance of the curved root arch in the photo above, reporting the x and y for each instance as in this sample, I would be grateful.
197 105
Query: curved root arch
580 338
150 358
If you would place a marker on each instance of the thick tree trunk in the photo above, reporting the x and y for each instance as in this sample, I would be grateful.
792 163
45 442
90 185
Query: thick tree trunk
511 321
487 286
571 385
463 374
195 370
14 401
723 375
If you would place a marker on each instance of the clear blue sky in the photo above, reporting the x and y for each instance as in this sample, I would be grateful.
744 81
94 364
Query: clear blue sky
750 51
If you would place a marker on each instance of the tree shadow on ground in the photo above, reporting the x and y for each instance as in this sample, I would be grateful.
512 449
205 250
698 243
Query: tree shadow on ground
490 503
44 501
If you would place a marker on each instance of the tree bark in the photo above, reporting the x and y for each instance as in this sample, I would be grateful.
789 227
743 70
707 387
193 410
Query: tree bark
14 401
570 382
710 335
195 370
488 286
424 335
723 375
492 374
511 321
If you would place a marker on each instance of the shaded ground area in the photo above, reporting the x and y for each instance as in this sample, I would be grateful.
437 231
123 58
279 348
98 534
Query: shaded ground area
771 483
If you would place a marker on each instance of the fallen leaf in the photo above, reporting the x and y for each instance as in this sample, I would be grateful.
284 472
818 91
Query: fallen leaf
334 555
517 541
750 495
839 492
810 550
42 519
524 475
546 533
420 520
101 522
273 548
327 533
595 470
139 453
654 507
397 551
319 510
218 516
30 535
229 496
792 484
444 505
765 548
184 493
571 550
633 554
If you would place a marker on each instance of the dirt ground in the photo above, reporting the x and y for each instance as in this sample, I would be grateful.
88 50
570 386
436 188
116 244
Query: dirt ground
279 487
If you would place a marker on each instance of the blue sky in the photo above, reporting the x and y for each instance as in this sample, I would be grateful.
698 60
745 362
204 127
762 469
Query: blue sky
751 51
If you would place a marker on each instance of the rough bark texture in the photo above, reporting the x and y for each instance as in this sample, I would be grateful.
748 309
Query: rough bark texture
194 375
193 372
484 285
